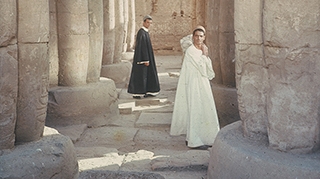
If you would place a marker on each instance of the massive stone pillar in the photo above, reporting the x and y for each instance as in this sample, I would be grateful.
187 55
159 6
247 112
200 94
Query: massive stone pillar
73 40
113 60
96 40
53 45
109 31
24 80
82 96
8 73
278 77
33 37
292 53
119 28
251 71
125 25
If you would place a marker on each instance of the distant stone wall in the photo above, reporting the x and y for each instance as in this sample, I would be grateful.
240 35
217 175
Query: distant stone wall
172 20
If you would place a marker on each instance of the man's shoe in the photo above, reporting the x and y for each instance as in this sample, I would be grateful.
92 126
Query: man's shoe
149 95
202 147
136 97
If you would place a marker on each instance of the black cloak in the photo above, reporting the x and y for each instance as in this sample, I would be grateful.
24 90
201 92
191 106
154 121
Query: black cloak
143 78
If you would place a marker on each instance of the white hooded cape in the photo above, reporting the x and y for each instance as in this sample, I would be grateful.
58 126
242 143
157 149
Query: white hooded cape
194 111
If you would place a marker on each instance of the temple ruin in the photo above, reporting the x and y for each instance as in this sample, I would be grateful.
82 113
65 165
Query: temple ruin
61 63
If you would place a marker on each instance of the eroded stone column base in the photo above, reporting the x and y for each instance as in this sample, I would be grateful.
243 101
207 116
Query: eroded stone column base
94 104
118 72
53 156
233 156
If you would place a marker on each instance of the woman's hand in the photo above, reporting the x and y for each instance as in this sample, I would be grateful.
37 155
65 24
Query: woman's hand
146 64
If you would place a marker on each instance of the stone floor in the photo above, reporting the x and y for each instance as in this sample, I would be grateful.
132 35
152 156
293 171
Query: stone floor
139 140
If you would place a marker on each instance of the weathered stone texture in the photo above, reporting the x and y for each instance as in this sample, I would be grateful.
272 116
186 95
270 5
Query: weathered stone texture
8 21
94 104
252 85
73 30
96 39
293 24
53 45
131 26
8 95
33 21
251 74
33 36
293 99
278 81
294 74
247 21
120 31
234 156
33 91
53 156
172 20
109 32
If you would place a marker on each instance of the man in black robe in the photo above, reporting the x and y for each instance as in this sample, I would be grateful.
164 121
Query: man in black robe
144 80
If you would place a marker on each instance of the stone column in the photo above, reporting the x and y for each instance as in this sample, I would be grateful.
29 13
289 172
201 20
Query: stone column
125 24
278 81
53 45
73 39
113 44
109 32
251 71
119 29
8 73
292 53
131 26
33 38
82 97
96 40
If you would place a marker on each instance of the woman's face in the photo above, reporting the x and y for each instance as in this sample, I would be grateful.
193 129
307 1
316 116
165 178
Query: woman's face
198 37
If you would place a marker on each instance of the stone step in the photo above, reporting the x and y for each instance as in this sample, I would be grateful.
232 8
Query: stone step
147 102
127 107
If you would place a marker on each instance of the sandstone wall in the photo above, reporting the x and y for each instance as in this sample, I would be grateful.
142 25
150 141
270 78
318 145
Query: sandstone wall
172 20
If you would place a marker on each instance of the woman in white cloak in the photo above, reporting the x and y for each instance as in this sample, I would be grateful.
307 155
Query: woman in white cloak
194 111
